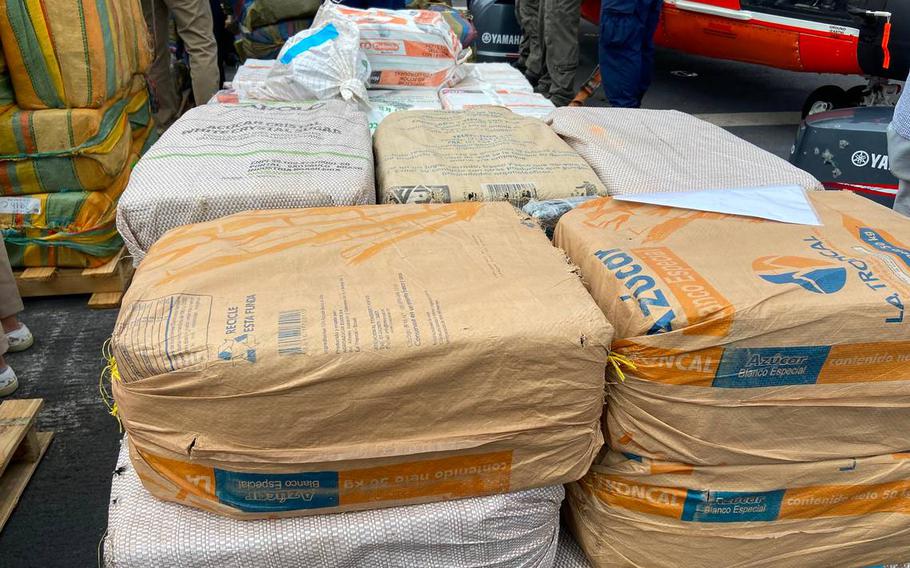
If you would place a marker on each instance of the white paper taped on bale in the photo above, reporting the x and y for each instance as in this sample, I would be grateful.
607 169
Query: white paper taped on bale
406 48
385 102
322 62
494 77
655 151
787 203
500 531
222 159
526 104
353 332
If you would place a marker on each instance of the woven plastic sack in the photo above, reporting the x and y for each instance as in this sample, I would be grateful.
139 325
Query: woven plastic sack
406 48
526 104
650 151
65 54
494 77
485 153
513 530
568 553
53 150
385 102
265 42
222 159
67 229
322 62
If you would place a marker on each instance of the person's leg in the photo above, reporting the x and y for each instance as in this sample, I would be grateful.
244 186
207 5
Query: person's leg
194 26
160 77
537 61
10 305
620 52
651 18
525 46
899 161
562 20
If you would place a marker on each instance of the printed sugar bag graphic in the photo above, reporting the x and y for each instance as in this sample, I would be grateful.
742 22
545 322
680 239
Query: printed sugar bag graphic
322 62
406 48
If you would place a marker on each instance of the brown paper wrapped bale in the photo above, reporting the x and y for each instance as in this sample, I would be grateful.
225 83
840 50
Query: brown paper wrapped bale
753 341
845 513
306 361
482 154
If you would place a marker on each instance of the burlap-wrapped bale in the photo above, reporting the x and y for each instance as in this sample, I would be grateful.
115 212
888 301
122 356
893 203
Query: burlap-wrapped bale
482 154
649 151
47 151
73 53
222 159
381 356
850 512
512 530
752 341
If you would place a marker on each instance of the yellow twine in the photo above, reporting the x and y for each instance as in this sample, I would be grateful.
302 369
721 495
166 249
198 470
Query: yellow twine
618 360
109 371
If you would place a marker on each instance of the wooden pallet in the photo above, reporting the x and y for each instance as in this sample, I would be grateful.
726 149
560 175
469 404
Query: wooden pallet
106 284
21 448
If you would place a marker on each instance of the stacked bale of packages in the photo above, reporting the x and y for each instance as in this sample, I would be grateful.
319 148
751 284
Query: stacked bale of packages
264 25
481 154
80 119
764 417
221 159
386 380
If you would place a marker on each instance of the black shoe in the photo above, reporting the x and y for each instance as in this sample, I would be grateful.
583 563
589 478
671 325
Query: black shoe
542 89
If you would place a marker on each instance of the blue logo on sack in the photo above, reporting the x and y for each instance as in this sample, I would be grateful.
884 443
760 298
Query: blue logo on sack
814 275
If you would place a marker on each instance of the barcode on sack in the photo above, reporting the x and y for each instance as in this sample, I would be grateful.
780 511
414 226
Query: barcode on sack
518 194
291 332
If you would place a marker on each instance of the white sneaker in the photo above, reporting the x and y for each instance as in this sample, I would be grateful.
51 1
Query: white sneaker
8 381
20 339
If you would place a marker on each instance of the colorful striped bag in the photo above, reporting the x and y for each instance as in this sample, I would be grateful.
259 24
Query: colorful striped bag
265 42
68 229
73 53
53 150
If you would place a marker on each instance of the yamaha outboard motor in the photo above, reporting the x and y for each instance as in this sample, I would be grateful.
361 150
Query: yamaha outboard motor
498 32
847 149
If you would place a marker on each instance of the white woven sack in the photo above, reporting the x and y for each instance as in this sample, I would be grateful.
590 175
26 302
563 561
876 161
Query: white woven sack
568 553
221 159
638 151
512 530
321 62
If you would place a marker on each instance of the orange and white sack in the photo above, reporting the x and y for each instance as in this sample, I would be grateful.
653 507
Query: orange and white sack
406 48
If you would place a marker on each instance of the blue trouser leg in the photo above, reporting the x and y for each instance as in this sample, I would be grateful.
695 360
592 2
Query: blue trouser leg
627 49
620 58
